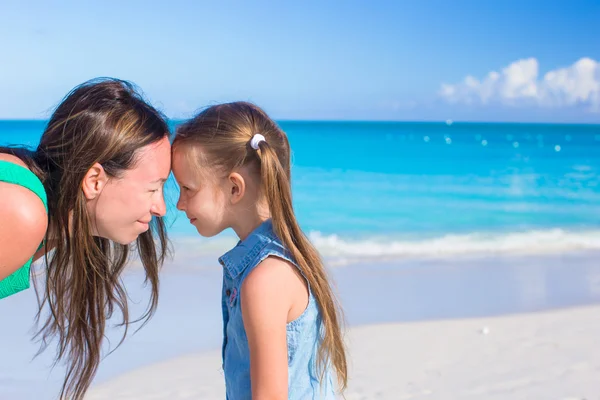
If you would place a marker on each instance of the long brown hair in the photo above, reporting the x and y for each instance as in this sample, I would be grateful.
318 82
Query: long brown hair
101 121
223 134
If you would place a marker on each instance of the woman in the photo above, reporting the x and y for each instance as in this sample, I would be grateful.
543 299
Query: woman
91 189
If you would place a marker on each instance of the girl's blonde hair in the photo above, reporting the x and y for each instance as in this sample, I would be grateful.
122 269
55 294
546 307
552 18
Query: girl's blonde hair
222 135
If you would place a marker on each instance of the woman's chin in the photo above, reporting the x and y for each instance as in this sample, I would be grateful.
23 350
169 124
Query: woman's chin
123 238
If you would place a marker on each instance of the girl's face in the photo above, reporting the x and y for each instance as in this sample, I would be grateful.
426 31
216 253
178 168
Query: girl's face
202 199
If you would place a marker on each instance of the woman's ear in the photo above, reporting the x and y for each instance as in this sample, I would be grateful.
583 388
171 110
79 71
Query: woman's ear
94 181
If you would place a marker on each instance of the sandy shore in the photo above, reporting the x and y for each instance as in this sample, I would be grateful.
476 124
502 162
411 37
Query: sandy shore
549 355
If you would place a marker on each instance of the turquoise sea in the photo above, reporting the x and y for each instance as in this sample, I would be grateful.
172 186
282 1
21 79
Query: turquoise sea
399 189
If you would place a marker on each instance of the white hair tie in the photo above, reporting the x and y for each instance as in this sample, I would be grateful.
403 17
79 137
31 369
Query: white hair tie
256 139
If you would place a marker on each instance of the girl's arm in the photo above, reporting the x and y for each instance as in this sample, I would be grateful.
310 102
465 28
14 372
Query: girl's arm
266 301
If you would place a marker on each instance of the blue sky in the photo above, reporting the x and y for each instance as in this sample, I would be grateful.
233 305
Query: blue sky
313 60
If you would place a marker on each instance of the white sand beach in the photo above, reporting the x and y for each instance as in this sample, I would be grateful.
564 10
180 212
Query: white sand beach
481 328
546 355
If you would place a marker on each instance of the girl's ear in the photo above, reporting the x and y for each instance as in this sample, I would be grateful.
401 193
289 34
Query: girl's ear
237 187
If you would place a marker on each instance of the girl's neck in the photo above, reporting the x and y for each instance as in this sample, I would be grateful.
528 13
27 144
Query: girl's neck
248 220
244 228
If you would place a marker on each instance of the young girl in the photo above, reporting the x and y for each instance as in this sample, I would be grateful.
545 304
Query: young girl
282 335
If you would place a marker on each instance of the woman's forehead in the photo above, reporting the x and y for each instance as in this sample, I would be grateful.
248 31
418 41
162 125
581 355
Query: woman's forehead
153 161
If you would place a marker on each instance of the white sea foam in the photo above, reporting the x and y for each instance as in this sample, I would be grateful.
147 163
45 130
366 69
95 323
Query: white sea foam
199 253
530 242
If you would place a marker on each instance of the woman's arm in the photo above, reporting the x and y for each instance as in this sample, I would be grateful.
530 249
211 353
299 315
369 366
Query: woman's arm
266 302
23 224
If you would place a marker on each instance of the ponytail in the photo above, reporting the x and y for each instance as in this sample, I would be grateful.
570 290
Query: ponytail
277 190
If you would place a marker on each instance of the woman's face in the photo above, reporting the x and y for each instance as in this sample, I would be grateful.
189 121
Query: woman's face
125 206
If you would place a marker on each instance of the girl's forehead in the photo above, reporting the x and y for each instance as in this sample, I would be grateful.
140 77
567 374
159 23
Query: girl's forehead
186 166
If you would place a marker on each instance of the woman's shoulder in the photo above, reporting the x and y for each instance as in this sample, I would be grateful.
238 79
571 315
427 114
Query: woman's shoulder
20 201
17 173
12 159
24 222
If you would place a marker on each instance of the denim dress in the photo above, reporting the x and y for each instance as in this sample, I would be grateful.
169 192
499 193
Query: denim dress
302 333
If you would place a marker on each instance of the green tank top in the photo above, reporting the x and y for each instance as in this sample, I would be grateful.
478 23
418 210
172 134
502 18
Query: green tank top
16 174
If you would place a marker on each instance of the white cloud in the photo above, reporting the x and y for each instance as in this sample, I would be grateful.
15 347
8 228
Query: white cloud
519 84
